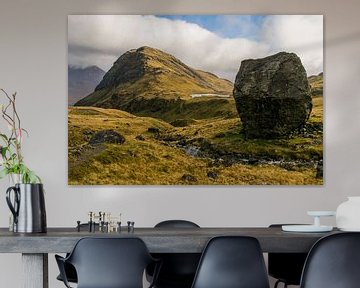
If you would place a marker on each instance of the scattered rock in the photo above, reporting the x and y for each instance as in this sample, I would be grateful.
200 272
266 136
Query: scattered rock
205 144
188 178
88 133
213 174
76 152
220 135
140 137
154 130
289 166
320 169
272 96
107 136
192 151
182 142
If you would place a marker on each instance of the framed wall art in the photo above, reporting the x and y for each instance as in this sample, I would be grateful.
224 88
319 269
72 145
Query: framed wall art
195 99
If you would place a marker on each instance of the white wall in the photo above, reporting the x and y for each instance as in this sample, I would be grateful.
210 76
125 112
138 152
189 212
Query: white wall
33 62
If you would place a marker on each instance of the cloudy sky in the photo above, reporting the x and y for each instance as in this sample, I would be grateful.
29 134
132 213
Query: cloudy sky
213 43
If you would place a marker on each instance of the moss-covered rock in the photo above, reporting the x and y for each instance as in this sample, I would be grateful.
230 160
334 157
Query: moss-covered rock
107 136
272 96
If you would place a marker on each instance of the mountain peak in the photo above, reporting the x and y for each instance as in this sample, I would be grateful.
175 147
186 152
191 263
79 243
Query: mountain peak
127 68
135 63
148 51
150 73
145 49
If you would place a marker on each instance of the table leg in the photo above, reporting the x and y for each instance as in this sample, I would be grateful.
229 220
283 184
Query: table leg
35 270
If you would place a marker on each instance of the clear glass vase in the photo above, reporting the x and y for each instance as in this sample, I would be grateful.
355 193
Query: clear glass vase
14 179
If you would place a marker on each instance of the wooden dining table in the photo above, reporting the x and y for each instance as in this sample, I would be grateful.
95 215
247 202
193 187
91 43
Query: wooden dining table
35 247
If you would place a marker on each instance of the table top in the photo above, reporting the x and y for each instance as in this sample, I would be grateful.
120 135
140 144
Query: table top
158 240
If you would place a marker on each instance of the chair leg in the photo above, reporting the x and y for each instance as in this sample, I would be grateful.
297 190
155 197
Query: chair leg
278 282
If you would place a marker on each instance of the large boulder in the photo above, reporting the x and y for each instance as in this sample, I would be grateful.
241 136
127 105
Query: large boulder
272 95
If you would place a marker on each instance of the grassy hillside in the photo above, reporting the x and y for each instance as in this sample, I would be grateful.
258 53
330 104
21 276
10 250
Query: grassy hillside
150 82
316 85
171 109
184 140
211 151
149 73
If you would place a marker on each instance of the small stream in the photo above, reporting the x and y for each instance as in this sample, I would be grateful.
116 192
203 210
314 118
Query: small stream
210 95
229 160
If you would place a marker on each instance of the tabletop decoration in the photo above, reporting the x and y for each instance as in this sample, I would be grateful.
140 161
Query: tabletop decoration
25 197
348 214
315 227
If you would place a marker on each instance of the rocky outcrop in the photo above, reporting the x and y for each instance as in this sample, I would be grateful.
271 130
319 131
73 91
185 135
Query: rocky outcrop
107 136
128 68
272 96
320 169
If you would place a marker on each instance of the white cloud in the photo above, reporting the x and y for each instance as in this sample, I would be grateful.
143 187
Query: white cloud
101 39
302 34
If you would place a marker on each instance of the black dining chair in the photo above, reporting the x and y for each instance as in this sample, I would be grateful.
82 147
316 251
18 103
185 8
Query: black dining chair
333 262
178 269
108 263
286 267
232 262
70 271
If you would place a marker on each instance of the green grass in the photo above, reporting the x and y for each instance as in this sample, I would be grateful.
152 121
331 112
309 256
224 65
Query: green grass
316 85
157 160
156 138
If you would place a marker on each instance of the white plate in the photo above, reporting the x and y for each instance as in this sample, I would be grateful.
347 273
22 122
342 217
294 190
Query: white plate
306 228
321 213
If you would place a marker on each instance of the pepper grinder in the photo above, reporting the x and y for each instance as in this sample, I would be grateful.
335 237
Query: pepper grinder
100 221
78 226
90 221
131 226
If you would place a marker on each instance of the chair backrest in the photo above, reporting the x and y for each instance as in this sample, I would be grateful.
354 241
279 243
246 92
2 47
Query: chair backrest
232 262
333 262
110 262
178 269
286 266
176 224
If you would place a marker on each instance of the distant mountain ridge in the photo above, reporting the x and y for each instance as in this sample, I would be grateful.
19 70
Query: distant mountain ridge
82 81
148 76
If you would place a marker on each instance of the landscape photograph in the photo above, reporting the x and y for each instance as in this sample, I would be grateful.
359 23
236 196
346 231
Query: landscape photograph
195 100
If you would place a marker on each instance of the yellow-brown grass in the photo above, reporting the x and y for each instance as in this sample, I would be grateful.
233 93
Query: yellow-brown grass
153 160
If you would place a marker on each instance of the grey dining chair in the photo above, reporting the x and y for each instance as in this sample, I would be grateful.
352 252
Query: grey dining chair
333 262
286 267
232 262
108 263
178 269
70 271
